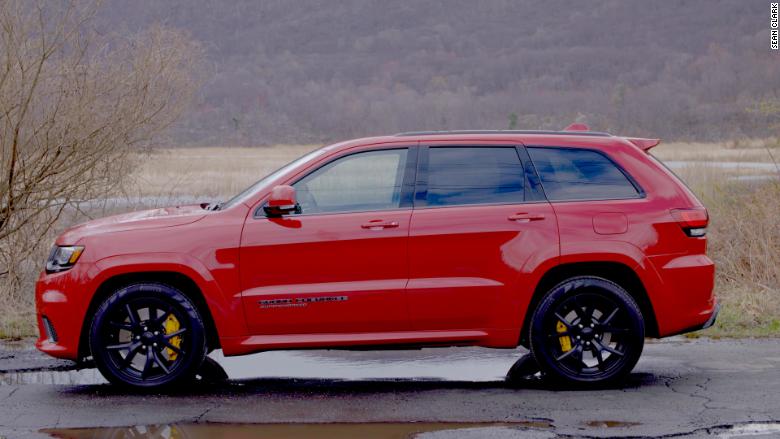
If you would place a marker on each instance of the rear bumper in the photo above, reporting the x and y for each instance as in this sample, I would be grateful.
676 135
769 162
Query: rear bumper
710 321
684 301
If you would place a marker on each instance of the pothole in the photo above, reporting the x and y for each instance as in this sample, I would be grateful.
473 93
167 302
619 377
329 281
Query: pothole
611 424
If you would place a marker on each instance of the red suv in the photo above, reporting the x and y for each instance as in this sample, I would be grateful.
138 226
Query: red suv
575 244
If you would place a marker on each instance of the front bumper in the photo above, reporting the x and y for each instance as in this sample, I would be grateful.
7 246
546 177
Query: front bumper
61 304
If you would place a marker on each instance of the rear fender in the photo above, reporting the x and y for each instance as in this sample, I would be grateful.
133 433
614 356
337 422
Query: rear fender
614 252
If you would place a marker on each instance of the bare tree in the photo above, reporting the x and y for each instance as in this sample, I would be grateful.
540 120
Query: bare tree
73 105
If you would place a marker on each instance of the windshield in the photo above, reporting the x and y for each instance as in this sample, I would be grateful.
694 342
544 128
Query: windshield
246 193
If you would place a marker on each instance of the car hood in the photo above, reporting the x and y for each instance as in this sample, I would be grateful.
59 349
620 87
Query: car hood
143 219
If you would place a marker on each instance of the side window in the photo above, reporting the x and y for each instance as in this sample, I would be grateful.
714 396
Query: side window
359 182
474 175
579 174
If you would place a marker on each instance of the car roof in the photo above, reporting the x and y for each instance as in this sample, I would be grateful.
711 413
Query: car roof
561 138
574 135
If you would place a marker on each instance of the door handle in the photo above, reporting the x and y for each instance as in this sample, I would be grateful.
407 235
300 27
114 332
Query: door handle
526 217
379 225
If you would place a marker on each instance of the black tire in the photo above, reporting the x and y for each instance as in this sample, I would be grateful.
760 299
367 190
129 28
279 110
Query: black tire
129 343
604 327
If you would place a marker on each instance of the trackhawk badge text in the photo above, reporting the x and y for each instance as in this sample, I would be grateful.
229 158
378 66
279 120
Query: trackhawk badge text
296 302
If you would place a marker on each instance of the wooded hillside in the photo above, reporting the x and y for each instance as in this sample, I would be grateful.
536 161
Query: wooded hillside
317 71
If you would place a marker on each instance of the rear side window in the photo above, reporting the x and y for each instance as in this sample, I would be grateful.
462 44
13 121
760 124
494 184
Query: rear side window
580 174
474 175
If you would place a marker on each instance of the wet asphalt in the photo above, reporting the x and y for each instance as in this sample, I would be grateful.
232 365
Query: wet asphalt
680 388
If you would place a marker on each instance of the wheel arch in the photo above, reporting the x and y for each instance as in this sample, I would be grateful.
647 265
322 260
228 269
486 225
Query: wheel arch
174 279
617 272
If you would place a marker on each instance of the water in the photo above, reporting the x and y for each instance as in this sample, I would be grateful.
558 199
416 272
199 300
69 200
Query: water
451 364
722 165
53 377
469 364
292 431
756 429
770 169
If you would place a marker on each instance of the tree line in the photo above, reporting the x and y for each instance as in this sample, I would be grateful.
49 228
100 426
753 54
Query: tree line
319 71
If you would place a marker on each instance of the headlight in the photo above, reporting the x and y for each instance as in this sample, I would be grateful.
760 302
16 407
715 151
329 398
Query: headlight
62 258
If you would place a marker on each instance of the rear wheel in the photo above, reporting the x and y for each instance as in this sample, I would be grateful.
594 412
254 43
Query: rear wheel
587 331
147 335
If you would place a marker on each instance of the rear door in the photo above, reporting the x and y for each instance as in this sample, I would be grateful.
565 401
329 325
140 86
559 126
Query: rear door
478 228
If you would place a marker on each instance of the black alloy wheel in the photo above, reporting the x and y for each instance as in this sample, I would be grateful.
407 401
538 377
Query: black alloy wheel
147 335
587 331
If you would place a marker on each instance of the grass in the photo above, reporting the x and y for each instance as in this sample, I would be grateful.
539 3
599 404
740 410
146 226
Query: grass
18 319
744 232
744 242
220 172
754 150
213 172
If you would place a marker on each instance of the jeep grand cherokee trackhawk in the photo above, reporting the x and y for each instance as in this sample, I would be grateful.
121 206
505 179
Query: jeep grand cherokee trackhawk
575 244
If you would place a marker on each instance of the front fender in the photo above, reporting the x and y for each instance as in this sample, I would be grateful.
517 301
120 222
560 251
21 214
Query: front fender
225 306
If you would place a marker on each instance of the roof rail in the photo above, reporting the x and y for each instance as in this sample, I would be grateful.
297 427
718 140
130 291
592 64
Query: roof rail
557 133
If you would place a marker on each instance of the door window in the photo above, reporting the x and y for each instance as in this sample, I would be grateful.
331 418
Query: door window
359 182
474 175
580 174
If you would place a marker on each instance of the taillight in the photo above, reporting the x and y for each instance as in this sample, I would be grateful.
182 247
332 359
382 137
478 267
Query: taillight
692 220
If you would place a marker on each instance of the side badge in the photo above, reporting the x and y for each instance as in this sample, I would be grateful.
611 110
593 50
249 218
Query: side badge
298 302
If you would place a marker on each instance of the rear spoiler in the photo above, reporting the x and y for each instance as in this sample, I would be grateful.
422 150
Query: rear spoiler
643 144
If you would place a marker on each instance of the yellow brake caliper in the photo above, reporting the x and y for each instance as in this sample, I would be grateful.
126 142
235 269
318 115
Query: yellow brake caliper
565 340
171 325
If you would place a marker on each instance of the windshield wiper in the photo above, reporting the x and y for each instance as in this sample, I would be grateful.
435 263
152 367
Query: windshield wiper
214 206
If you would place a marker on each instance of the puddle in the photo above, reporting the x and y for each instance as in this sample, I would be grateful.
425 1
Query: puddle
286 431
58 377
751 429
448 364
456 364
611 424
15 345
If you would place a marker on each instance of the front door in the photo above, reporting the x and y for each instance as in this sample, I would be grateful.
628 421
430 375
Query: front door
340 265
477 230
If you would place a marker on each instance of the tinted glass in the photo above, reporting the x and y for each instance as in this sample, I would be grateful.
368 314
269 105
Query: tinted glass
474 176
251 190
578 174
358 182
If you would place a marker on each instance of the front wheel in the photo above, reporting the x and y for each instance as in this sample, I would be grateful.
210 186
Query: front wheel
149 336
587 331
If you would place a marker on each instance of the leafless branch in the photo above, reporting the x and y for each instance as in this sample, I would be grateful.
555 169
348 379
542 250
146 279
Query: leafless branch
73 106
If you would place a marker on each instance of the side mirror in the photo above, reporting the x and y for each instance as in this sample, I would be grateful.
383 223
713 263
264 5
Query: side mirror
282 201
